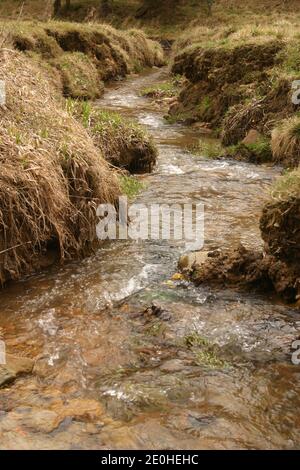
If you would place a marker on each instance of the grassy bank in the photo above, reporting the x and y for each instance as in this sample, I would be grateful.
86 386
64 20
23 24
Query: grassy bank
163 20
56 165
82 56
239 81
123 143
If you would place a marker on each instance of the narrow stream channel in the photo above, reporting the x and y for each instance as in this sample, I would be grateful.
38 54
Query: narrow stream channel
111 375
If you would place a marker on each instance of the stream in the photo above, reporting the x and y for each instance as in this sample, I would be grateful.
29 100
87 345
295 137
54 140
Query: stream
111 371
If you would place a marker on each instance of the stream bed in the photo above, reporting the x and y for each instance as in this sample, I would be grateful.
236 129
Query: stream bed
128 357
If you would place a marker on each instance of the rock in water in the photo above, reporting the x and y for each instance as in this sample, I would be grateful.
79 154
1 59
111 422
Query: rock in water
14 367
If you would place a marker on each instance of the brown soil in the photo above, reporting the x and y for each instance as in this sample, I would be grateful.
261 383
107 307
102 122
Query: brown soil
261 114
219 78
241 268
280 229
275 270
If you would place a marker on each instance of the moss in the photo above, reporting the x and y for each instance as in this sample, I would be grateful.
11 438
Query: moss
205 353
210 359
261 149
194 339
207 148
205 105
258 152
156 329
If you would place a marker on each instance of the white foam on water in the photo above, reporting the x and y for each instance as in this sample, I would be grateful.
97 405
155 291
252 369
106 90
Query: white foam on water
47 322
171 169
133 285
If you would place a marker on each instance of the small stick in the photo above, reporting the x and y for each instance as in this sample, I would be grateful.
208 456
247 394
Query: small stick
13 247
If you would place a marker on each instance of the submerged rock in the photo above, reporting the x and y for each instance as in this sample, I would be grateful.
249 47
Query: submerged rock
173 365
253 137
14 367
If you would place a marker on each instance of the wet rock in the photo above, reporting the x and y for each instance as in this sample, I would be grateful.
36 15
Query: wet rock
19 365
173 365
188 261
203 127
253 137
44 421
24 419
14 367
80 410
158 312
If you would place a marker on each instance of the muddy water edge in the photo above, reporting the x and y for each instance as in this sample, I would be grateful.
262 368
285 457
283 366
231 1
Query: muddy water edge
203 369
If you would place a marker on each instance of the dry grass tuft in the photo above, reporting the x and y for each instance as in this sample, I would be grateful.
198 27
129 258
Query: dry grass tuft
124 144
286 142
52 175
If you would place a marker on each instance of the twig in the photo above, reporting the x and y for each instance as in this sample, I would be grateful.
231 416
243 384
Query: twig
13 247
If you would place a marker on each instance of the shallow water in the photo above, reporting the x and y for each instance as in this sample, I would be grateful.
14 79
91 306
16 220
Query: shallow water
110 374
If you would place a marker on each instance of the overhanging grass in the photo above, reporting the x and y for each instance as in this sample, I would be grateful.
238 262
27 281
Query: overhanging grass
287 186
124 143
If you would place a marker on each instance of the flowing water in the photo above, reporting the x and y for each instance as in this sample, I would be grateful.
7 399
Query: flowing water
111 373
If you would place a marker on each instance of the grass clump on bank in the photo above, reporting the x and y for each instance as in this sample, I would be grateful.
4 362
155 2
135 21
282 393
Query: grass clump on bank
167 89
84 54
287 186
286 142
57 155
208 148
123 143
80 77
256 152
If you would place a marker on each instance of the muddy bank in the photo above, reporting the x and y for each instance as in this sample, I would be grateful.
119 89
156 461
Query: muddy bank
219 78
240 268
274 270
237 89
